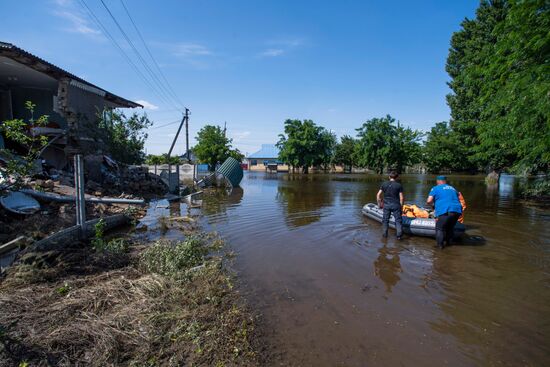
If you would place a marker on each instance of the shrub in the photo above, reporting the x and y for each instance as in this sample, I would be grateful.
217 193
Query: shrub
174 260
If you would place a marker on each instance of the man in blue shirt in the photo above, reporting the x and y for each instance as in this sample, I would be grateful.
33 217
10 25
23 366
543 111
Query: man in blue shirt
447 210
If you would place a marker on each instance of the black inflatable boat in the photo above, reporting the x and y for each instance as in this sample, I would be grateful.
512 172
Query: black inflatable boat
417 226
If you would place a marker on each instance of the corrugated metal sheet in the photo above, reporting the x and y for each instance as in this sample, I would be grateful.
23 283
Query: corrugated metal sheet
26 58
268 151
231 169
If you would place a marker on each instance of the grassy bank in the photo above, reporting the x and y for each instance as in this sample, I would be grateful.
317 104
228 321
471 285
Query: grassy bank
162 304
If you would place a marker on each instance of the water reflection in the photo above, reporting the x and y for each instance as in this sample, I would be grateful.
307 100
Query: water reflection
218 201
387 266
303 201
486 303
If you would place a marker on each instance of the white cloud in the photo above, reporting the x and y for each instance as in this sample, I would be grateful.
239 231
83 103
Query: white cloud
194 54
147 105
78 23
288 42
281 46
191 49
238 136
272 52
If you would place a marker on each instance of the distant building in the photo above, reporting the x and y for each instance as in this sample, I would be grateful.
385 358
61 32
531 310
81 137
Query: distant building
266 159
71 103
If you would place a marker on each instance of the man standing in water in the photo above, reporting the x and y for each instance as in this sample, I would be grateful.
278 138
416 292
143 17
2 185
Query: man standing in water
447 210
392 193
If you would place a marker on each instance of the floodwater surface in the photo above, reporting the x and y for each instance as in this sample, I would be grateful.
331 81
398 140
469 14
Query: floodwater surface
334 293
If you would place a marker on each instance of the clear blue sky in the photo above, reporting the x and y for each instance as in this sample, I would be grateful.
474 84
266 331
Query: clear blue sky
256 63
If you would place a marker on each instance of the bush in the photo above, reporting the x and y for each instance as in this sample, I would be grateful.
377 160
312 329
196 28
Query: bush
539 189
115 246
173 260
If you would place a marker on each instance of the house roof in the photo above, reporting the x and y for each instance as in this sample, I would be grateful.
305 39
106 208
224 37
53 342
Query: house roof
36 63
269 151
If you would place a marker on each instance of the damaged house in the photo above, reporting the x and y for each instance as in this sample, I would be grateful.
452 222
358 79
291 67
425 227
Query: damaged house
71 103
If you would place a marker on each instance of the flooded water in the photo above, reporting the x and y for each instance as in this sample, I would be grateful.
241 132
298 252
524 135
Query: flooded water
333 293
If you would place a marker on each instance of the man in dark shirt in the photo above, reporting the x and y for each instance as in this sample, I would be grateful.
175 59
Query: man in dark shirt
392 193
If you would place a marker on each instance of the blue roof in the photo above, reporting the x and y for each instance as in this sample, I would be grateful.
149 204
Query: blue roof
267 151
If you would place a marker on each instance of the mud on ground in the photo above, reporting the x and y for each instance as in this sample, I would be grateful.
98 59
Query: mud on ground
81 307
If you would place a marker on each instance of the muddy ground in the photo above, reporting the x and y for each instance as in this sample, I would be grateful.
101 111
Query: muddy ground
162 304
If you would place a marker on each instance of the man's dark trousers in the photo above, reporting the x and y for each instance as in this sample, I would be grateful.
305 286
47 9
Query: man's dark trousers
444 228
397 212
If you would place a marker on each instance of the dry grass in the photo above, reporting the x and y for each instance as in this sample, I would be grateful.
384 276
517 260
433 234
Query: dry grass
112 312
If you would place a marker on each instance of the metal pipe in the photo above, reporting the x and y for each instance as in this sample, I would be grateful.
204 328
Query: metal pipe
71 199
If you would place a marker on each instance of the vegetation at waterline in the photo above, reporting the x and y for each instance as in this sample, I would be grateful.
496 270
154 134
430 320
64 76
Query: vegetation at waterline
382 143
344 152
124 136
213 146
305 144
166 304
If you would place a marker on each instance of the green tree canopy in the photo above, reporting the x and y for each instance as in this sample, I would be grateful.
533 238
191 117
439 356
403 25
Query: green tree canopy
124 136
515 119
306 144
214 147
152 159
500 69
383 144
443 150
466 55
344 151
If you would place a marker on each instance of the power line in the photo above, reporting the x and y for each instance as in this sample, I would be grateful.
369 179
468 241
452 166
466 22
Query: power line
154 77
170 89
124 54
168 124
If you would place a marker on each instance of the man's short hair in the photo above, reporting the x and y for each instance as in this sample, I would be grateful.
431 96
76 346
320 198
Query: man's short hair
394 174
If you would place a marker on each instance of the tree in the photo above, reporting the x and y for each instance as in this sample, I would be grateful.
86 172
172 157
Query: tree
406 148
305 144
514 131
152 159
500 69
443 150
214 147
236 153
382 144
344 152
327 144
124 136
469 48
21 164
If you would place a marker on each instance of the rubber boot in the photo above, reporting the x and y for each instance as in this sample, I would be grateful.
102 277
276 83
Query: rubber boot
440 238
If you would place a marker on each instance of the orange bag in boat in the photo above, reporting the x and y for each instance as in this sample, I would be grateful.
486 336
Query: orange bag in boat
413 211
463 204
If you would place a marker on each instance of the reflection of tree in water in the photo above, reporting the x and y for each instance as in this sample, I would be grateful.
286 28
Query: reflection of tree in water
303 199
216 201
388 266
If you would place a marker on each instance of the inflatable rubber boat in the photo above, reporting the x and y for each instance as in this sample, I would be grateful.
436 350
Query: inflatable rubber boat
417 226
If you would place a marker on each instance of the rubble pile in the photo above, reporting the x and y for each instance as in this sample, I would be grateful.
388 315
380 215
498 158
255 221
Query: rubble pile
133 180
